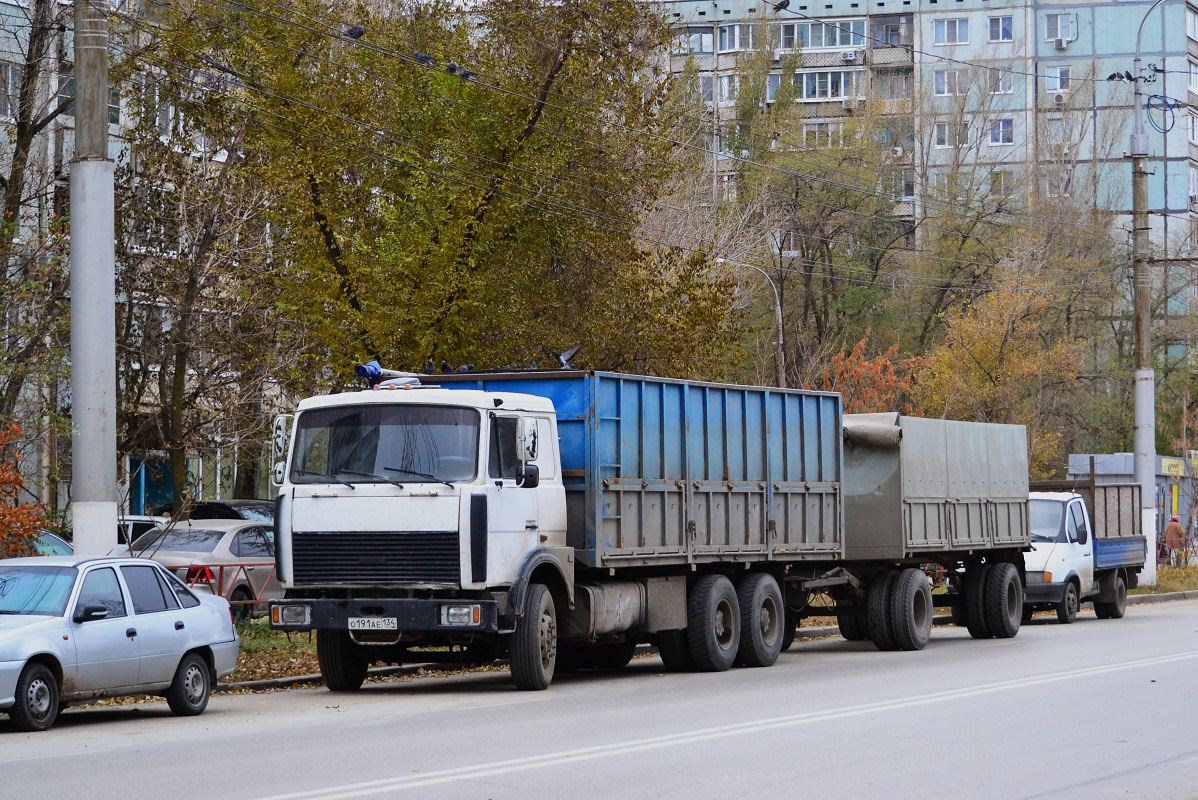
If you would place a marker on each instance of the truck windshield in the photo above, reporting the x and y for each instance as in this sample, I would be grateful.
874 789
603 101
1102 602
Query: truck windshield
1045 519
386 444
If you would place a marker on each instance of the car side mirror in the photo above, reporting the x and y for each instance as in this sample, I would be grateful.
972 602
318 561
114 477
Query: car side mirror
1083 536
89 612
530 477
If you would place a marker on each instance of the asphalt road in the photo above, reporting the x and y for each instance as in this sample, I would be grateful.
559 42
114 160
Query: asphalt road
1099 709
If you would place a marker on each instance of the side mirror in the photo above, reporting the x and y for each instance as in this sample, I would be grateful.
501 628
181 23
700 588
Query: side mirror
278 472
526 438
530 477
89 612
1083 536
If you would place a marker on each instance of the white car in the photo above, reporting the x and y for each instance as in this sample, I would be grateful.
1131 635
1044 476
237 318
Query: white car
73 628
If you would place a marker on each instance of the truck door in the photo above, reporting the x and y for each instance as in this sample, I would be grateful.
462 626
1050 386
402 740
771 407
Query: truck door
513 521
1081 545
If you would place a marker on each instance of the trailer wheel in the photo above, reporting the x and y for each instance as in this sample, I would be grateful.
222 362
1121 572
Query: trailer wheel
974 600
790 627
674 652
1003 600
1067 608
1115 609
762 620
911 610
854 626
881 629
712 623
534 642
612 656
342 664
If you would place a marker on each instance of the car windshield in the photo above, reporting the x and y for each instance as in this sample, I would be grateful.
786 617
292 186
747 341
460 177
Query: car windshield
386 444
180 539
35 589
1045 519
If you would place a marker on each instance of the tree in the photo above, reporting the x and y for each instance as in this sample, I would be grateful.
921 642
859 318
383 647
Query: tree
20 520
870 385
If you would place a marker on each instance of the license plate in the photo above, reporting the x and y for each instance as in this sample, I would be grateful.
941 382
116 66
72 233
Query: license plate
372 624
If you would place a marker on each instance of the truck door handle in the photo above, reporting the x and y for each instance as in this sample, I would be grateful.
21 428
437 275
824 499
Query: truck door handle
130 632
179 625
531 525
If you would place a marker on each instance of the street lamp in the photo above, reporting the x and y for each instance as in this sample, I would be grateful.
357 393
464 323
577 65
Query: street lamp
779 354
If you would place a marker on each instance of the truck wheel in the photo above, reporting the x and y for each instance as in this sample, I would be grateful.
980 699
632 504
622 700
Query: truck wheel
1067 608
612 656
674 652
712 623
911 610
342 664
762 620
534 642
881 629
36 705
790 626
974 600
1116 608
1003 600
852 623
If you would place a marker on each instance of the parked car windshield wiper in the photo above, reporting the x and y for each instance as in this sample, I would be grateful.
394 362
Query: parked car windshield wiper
382 478
330 478
424 475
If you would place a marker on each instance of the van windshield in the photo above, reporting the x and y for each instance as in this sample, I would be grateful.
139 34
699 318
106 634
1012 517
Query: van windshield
386 444
1045 519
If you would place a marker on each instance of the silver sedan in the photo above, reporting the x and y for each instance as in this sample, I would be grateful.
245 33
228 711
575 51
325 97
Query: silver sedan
74 628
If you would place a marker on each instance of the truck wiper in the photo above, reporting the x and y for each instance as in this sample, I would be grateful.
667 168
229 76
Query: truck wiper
325 475
382 478
424 475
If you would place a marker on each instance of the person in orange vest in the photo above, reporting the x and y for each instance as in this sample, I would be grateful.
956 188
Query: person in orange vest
1175 536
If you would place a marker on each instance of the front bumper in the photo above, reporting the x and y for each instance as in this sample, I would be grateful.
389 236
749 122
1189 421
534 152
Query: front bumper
1040 593
408 614
10 673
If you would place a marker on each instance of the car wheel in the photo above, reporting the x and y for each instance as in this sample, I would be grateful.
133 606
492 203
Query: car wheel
243 609
189 691
36 705
1067 608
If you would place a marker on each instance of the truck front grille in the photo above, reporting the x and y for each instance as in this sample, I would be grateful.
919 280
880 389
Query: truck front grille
375 558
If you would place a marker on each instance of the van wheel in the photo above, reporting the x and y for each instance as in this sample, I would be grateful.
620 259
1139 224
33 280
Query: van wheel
1067 608
534 642
713 623
192 686
342 664
36 705
1003 600
881 629
911 610
1116 608
762 620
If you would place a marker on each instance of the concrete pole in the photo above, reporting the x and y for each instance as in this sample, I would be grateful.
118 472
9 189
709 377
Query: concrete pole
93 293
1144 439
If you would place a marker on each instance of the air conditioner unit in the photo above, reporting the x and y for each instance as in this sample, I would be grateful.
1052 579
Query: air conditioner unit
849 56
1060 98
1062 44
849 103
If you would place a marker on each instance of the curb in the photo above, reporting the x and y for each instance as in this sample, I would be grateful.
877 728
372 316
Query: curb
415 669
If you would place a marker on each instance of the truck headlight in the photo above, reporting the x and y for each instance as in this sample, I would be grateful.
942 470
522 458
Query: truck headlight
296 614
461 614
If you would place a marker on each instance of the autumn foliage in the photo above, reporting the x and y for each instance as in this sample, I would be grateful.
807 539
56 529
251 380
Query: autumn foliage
19 521
870 385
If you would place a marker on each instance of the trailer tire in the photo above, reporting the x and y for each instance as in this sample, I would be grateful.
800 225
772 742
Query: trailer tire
674 652
534 642
790 627
976 576
911 610
762 620
342 664
1067 608
1115 609
612 656
1003 600
881 629
853 624
712 623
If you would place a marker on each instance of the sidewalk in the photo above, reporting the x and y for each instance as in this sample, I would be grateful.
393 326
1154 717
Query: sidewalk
416 669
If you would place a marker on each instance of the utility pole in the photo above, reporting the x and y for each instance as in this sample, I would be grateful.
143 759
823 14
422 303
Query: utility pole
1144 395
93 292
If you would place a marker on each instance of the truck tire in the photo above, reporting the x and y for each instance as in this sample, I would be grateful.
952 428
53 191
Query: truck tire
762 620
1114 609
1067 608
853 624
911 610
674 652
342 664
974 600
1003 600
790 627
712 623
881 629
612 656
534 642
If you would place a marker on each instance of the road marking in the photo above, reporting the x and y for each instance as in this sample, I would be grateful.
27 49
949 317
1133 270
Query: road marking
494 768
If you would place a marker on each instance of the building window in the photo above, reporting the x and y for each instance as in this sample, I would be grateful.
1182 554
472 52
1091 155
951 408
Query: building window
66 86
1003 132
695 42
906 185
822 134
951 134
895 84
1000 29
834 33
1193 181
114 106
705 87
1058 183
1191 23
1192 127
10 91
1058 79
891 31
947 82
772 82
1058 26
727 88
1194 75
822 85
1001 183
1001 81
736 37
952 31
